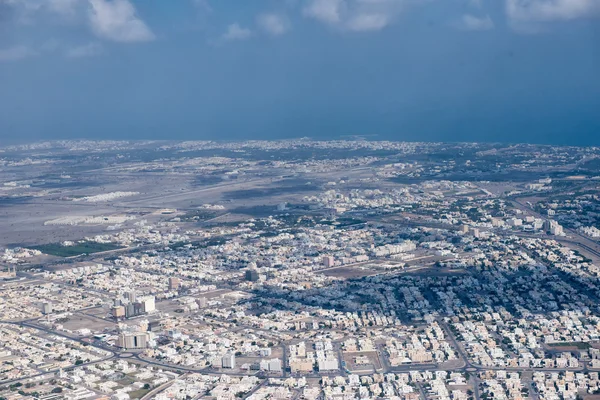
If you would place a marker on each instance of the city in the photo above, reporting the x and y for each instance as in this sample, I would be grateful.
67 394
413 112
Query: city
299 269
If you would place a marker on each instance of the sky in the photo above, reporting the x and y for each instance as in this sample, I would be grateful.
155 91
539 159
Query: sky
430 70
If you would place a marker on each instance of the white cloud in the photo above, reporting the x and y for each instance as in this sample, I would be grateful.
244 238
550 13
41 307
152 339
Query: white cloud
86 50
117 20
327 11
550 10
356 15
368 22
273 24
236 32
16 53
472 23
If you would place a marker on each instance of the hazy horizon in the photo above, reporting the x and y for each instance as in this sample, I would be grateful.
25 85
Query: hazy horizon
507 71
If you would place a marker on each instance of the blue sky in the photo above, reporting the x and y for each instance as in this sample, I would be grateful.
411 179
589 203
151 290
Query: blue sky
455 70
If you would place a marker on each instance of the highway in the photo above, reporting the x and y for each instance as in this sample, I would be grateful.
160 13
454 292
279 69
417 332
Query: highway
467 366
578 239
51 332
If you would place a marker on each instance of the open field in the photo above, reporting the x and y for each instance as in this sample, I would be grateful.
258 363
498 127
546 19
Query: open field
57 249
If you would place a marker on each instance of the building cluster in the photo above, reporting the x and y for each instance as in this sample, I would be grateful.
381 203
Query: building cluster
580 210
130 305
388 270
321 356
426 347
104 380
22 300
18 255
25 352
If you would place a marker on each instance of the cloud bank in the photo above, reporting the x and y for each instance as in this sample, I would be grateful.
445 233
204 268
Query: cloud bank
117 20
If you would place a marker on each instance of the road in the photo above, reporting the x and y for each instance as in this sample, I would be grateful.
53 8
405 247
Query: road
285 361
422 394
474 381
137 357
467 365
463 356
578 239
51 332
256 388
229 185
159 389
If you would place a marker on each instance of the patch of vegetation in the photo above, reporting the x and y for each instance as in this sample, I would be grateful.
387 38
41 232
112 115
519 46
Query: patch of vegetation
57 249
343 222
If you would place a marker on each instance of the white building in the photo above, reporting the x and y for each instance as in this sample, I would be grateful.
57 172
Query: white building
328 364
228 360
133 340
149 304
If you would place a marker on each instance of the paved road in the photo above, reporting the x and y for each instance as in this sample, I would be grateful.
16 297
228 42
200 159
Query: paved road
422 394
463 356
54 371
250 393
578 238
159 389
475 385
53 332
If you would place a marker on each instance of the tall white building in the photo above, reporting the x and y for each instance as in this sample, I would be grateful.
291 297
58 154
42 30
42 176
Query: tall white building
228 360
46 308
149 304
130 296
133 340
554 228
